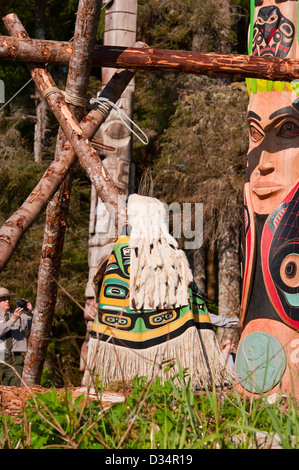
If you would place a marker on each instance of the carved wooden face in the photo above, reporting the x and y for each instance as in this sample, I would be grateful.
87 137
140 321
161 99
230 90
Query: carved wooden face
273 155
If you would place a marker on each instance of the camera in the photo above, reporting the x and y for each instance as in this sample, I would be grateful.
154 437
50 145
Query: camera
23 304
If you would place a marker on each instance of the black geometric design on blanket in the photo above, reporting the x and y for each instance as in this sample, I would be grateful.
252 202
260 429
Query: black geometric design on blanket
122 326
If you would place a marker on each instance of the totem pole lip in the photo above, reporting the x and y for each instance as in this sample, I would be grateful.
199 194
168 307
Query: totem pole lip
261 190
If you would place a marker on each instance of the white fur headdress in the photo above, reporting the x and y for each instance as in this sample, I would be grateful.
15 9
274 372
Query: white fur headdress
159 272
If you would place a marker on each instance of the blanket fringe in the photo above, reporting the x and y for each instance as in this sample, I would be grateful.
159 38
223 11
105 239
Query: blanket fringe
197 351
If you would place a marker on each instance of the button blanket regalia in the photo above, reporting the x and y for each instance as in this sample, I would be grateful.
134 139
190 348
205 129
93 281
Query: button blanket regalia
127 341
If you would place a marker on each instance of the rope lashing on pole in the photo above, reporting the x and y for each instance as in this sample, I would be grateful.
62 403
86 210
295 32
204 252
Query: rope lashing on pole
71 99
101 104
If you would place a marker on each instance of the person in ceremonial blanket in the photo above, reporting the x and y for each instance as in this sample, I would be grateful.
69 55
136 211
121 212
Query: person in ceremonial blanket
150 310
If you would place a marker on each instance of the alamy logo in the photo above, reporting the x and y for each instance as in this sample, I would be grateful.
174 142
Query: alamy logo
2 92
185 221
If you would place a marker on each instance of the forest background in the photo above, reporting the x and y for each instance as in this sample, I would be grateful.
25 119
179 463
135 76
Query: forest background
197 148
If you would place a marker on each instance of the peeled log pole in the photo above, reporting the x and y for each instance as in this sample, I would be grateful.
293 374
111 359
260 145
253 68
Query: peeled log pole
154 60
57 210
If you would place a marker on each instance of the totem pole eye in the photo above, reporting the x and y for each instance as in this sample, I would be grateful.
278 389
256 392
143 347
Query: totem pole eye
260 21
288 130
290 269
255 134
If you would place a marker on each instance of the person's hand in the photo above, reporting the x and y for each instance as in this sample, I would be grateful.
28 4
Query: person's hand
234 322
29 306
17 313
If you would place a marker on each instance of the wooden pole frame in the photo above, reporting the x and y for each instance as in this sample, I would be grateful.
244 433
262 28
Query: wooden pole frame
87 156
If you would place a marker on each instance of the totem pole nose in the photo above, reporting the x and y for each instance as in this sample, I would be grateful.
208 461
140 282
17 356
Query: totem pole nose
265 164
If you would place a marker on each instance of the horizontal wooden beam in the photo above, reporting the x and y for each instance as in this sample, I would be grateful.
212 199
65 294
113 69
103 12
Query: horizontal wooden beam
234 65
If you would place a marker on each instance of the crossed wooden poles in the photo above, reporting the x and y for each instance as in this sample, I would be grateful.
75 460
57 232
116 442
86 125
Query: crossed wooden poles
79 139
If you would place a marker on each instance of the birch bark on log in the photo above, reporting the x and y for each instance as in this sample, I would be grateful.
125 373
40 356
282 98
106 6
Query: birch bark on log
154 60
40 127
57 211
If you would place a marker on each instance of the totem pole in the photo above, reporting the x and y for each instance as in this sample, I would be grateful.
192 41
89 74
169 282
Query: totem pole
120 30
114 141
267 359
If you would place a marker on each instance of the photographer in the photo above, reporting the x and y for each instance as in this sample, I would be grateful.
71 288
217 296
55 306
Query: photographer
14 331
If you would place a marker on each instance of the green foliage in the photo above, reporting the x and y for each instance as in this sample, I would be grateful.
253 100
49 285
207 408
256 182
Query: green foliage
174 109
163 24
174 24
52 421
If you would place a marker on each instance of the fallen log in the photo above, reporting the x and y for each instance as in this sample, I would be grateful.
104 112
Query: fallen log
154 60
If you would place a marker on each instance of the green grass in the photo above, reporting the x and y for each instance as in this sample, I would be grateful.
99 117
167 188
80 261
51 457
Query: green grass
155 415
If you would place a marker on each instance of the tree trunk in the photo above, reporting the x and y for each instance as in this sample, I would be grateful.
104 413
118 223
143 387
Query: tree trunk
224 40
211 267
57 210
199 268
229 288
40 127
